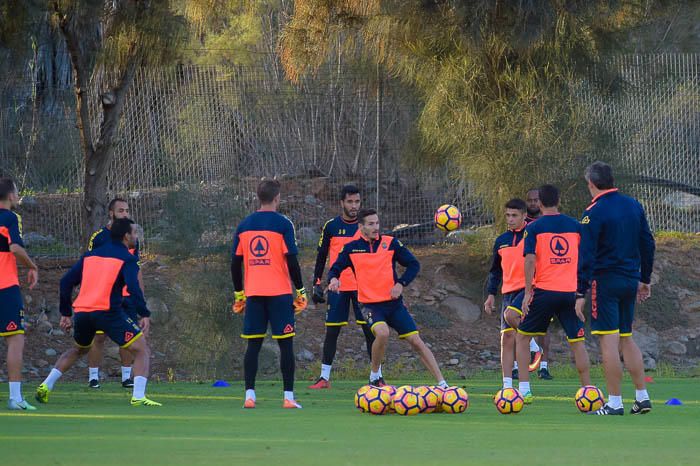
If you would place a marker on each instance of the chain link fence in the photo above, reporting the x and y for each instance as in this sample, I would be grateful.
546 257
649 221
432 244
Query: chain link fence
195 140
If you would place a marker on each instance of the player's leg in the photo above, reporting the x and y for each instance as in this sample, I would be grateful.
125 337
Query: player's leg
83 336
95 356
507 356
281 312
360 320
510 320
127 357
630 351
12 329
533 324
374 315
336 319
255 322
543 342
575 335
427 358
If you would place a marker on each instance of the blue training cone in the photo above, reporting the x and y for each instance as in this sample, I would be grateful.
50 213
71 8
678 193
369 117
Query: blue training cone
674 402
221 383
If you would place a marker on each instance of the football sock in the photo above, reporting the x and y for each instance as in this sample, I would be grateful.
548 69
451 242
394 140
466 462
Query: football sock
615 401
287 362
507 382
543 364
250 361
326 371
330 344
641 395
524 387
139 387
289 395
93 373
380 371
16 391
369 338
52 378
250 394
373 375
533 345
443 384
126 373
515 366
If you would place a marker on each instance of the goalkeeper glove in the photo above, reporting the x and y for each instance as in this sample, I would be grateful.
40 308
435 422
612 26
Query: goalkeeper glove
238 302
300 302
317 296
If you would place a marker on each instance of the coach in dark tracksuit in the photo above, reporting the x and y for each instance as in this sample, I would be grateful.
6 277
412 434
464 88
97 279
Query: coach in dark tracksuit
615 263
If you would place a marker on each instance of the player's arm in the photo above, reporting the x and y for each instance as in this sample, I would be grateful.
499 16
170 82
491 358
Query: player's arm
530 238
341 263
70 280
324 243
405 258
291 251
647 249
494 280
237 275
591 227
17 248
130 272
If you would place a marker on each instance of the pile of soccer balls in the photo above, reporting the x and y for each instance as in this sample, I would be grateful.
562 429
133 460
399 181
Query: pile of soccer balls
409 401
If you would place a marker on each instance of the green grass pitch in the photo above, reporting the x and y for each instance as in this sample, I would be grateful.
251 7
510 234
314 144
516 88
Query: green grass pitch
199 424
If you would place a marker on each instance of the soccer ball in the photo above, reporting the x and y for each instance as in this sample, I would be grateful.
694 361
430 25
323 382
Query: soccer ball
431 399
455 400
508 401
589 398
440 392
407 402
378 400
361 402
391 390
448 218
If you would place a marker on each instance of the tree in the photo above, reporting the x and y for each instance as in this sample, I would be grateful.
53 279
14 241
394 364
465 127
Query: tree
498 79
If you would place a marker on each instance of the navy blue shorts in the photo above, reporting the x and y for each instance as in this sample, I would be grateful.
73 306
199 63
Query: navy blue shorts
118 326
339 308
11 312
393 313
130 311
514 302
612 305
545 305
278 311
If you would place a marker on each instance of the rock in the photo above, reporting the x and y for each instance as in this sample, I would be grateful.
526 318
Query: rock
29 203
28 299
684 201
305 355
649 364
160 312
57 332
50 352
41 363
44 326
307 235
676 347
694 306
32 238
453 362
466 310
458 236
451 288
311 200
112 352
648 342
486 354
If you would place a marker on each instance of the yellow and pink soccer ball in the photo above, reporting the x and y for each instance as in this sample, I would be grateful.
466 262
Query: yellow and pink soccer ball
589 398
407 401
378 400
508 401
454 400
448 218
361 402
431 399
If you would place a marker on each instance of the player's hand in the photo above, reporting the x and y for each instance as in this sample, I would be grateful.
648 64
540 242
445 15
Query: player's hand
643 292
490 304
580 303
396 291
527 298
317 296
32 278
334 285
66 323
145 324
300 302
238 302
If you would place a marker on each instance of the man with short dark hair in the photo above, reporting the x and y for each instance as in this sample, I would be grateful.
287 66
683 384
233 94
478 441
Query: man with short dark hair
617 258
102 274
373 258
551 261
335 234
118 208
11 304
508 266
264 245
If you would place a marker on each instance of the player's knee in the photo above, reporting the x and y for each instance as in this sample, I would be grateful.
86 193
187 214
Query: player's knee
381 332
99 339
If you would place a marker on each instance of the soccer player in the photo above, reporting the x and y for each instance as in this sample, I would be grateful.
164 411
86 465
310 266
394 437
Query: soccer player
11 305
117 208
539 346
265 247
551 262
373 259
102 274
508 266
617 260
336 233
